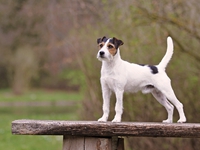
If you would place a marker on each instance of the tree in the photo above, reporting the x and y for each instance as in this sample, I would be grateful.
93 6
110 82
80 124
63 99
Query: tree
20 35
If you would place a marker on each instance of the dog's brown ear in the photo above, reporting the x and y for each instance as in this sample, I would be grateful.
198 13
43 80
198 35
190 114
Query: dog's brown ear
117 42
99 40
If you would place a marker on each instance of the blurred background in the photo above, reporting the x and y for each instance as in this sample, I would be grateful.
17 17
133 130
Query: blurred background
49 70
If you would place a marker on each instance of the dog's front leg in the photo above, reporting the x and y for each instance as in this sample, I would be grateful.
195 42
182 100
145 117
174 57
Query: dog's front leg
118 106
106 93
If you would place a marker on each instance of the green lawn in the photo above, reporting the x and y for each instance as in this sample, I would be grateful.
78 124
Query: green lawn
24 142
39 95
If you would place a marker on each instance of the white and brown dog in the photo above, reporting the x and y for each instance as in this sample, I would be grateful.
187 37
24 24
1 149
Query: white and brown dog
120 76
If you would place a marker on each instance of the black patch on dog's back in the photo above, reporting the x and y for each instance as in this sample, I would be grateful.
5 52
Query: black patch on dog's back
154 69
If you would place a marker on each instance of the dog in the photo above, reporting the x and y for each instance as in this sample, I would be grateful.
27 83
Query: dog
120 76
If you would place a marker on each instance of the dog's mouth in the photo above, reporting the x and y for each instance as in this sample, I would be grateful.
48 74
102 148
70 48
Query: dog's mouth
105 58
101 56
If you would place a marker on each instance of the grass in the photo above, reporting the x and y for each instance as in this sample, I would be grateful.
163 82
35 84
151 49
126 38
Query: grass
24 142
28 142
39 95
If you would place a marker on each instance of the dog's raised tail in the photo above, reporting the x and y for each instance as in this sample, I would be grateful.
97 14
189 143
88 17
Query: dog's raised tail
168 55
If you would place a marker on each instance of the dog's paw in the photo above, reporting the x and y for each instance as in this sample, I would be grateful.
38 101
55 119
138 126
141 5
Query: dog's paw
167 121
181 120
102 119
116 119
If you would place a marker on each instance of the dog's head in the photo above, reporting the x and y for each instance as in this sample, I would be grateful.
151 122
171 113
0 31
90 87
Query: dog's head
108 48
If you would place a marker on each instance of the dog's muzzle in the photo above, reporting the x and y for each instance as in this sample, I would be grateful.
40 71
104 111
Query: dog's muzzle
101 54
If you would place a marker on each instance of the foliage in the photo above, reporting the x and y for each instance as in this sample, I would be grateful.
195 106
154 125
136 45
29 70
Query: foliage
19 38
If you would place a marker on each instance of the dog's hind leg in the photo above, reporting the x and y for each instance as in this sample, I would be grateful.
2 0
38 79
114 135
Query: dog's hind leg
160 97
169 93
106 103
118 106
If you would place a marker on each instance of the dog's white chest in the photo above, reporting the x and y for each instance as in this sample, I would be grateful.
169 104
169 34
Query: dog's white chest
112 80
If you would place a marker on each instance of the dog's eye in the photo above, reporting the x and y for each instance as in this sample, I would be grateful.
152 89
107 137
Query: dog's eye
100 45
110 46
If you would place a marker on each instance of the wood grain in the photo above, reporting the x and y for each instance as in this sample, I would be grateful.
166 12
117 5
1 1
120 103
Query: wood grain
73 143
107 129
88 143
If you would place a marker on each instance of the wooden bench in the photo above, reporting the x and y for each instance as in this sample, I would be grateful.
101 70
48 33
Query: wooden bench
92 135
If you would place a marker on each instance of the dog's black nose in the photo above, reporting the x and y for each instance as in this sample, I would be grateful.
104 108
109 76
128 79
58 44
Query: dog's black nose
101 53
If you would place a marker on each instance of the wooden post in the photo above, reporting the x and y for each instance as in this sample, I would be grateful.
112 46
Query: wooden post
92 135
86 143
92 143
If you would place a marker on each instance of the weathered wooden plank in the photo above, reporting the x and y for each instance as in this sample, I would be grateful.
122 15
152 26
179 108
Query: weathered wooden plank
108 129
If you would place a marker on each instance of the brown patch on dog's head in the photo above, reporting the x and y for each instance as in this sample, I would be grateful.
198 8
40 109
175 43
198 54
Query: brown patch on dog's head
113 45
101 45
111 48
